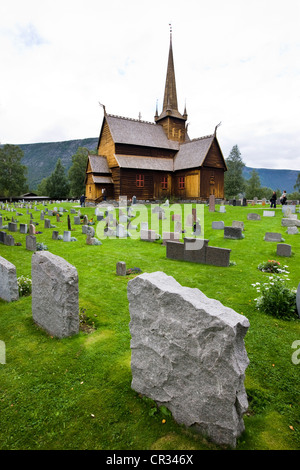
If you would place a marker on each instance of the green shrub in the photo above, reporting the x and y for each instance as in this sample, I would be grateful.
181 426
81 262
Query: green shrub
276 298
272 266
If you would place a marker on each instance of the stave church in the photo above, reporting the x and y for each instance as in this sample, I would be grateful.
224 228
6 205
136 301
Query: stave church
155 160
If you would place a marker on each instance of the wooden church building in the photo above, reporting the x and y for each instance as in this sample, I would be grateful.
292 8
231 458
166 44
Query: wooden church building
155 160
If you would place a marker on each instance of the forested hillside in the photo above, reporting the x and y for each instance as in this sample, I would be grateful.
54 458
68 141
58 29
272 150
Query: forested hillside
41 159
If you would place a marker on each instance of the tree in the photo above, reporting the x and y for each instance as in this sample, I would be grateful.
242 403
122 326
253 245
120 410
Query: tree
42 187
12 172
57 185
297 184
77 171
253 186
234 182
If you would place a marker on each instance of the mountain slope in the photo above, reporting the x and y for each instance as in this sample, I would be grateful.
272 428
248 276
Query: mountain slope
41 159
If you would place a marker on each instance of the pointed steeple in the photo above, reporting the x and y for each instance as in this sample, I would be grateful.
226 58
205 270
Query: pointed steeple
170 106
170 96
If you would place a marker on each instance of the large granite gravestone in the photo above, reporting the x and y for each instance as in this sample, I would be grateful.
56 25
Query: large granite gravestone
8 281
54 294
188 354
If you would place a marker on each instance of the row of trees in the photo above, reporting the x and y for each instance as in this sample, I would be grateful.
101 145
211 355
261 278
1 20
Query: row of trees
58 185
235 184
61 186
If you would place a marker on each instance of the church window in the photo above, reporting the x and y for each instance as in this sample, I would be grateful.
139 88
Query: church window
140 181
164 182
181 182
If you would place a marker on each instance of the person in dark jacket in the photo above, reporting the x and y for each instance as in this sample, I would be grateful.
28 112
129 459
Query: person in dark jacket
82 200
283 198
273 200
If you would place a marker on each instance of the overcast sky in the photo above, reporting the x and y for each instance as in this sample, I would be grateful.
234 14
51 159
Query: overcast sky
236 62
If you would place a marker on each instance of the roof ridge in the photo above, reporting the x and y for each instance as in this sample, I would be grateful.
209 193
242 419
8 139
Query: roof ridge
131 119
200 138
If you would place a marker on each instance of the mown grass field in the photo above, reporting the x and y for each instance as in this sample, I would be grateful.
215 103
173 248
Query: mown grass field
75 393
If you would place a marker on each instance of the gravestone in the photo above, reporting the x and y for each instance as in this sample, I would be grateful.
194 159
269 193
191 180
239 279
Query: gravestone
31 229
9 290
287 210
273 237
31 242
54 294
121 268
12 227
42 215
237 223
211 203
298 299
2 236
55 234
1 221
76 220
178 227
23 228
90 231
47 223
284 249
84 228
253 217
269 213
149 235
233 233
9 240
218 225
285 222
292 230
180 361
120 232
222 209
67 236
169 236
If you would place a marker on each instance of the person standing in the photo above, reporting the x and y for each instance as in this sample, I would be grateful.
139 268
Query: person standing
273 200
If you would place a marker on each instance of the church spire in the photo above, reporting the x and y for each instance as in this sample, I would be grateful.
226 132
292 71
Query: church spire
170 96
170 106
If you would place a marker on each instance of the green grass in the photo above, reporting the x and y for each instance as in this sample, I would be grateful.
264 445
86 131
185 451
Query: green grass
75 393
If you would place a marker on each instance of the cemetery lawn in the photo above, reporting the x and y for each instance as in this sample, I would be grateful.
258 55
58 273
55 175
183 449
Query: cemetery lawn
75 393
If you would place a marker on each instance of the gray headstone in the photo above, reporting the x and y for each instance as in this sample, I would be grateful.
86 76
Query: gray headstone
76 220
285 222
9 240
292 230
284 250
222 209
253 217
23 228
31 242
238 224
1 221
67 236
55 234
273 237
269 213
121 268
234 233
31 229
298 299
218 225
47 223
180 361
2 236
8 281
54 294
12 227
